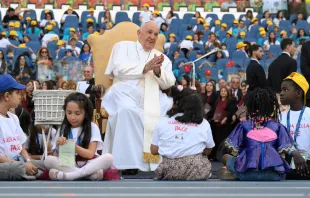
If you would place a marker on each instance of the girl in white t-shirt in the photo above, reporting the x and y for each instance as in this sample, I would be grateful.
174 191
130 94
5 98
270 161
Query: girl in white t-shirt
184 139
78 127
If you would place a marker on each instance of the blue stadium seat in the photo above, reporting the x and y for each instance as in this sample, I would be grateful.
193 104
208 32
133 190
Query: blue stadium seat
100 16
292 17
241 16
136 18
222 35
192 22
198 46
172 49
71 21
221 64
187 17
121 17
301 24
275 50
72 58
174 26
186 33
42 16
19 51
182 29
33 37
52 47
84 15
14 42
213 16
228 19
192 55
34 46
247 23
203 70
239 58
176 63
253 32
32 14
259 16
61 54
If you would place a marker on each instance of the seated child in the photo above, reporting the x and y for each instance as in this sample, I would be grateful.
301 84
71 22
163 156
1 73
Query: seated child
184 139
15 162
258 142
78 127
293 92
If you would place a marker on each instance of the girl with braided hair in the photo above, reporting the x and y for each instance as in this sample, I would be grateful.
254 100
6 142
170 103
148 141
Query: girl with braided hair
183 139
259 142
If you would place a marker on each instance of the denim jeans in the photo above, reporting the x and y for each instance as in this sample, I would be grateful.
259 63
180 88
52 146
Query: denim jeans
254 175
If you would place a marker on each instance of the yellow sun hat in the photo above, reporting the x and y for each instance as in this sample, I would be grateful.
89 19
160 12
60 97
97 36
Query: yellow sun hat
28 18
224 25
13 33
229 32
17 24
22 46
49 27
206 25
217 22
240 45
47 11
236 21
283 32
33 23
242 33
96 33
11 24
146 5
89 20
60 42
91 10
172 35
72 30
189 37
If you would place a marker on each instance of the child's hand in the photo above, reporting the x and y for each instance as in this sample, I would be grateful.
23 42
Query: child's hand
61 141
223 121
300 164
30 169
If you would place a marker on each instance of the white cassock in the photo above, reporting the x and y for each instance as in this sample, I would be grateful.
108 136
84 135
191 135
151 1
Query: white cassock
124 102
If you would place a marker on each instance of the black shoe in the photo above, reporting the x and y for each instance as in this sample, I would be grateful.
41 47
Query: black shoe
130 172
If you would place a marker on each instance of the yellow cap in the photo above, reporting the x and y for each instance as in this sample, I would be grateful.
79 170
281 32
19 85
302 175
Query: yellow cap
53 23
229 32
47 11
242 33
217 22
240 44
22 46
33 23
70 8
172 35
254 19
269 22
96 33
72 30
110 24
28 18
283 32
200 20
206 25
89 20
156 12
261 29
11 24
54 38
224 25
146 5
189 37
3 33
13 33
17 24
60 42
262 32
301 81
91 10
49 27
236 21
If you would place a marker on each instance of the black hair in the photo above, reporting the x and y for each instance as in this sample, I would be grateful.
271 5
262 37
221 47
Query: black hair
24 118
10 91
82 49
49 85
186 101
254 48
285 42
302 41
34 148
90 24
272 40
297 88
11 9
262 104
278 14
249 11
298 33
87 106
162 25
187 79
16 70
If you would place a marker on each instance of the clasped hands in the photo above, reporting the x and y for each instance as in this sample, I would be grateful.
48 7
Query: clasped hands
154 64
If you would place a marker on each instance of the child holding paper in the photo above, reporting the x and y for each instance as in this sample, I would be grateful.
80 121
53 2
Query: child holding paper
78 127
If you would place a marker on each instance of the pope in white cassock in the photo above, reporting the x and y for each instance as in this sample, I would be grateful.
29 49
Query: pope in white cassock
135 101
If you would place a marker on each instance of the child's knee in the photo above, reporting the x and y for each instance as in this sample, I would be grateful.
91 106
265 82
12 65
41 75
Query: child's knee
12 171
50 162
108 158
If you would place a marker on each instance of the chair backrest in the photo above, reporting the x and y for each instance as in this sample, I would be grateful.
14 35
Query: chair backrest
100 16
187 17
136 18
19 51
61 54
221 63
121 17
186 33
175 24
275 50
34 45
42 16
32 14
72 20
33 37
176 63
228 19
172 49
84 15
52 47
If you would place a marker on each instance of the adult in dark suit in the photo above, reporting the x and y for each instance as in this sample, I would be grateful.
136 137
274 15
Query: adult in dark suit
282 66
235 88
305 65
255 73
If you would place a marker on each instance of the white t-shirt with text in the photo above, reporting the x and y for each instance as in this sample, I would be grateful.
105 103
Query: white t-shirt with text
303 135
176 139
11 135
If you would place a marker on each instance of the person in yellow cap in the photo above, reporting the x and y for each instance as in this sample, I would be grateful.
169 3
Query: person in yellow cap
49 35
11 16
217 26
283 35
33 29
90 30
241 46
67 37
294 89
157 18
254 22
223 28
60 45
199 24
187 45
262 37
16 30
242 37
69 12
48 18
240 28
172 39
228 35
146 14
206 27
